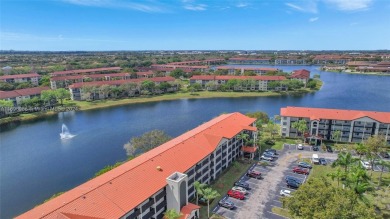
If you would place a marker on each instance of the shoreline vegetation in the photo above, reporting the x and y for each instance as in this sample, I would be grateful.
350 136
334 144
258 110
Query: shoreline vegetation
358 73
98 104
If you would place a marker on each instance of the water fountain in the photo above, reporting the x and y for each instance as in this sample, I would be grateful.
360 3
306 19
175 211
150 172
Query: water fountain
65 134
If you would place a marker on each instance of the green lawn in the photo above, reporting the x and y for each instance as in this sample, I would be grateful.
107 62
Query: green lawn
225 182
280 141
281 211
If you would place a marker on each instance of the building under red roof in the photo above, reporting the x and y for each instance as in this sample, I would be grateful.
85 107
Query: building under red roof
302 74
22 92
80 71
230 77
120 190
31 75
333 114
119 82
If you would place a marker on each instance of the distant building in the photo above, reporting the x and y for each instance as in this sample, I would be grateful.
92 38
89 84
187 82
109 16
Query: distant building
6 70
20 78
242 69
250 61
17 96
160 179
260 83
77 90
302 75
86 71
331 59
355 126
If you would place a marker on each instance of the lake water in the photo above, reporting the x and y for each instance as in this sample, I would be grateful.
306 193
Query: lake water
35 163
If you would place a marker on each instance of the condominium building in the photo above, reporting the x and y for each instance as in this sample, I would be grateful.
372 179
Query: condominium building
255 82
253 61
20 78
302 75
232 70
77 90
354 125
18 96
86 71
158 180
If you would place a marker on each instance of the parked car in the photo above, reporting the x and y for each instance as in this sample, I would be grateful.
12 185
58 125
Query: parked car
240 189
300 147
235 194
254 174
269 154
304 165
300 170
316 148
384 154
242 184
267 158
366 165
203 201
226 203
291 178
329 149
292 184
285 192
322 161
271 150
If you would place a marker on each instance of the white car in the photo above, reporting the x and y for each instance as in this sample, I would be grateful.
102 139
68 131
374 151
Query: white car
285 192
240 189
366 165
266 158
300 147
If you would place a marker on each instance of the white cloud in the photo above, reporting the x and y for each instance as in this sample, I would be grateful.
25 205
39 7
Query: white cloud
242 5
308 6
137 6
313 19
198 7
350 5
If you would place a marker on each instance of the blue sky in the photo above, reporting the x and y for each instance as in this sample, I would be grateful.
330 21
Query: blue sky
194 24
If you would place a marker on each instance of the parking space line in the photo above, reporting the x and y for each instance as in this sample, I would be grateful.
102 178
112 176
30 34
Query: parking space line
288 188
277 201
225 209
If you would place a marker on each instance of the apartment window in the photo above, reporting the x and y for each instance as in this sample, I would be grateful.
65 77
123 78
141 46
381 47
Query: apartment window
284 123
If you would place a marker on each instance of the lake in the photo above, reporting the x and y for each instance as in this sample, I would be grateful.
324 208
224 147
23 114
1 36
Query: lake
35 163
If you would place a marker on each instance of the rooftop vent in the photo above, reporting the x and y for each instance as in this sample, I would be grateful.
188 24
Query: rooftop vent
159 168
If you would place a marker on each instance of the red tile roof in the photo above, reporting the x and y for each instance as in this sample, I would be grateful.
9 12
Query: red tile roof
249 59
118 191
32 75
247 68
336 114
73 77
302 73
22 92
187 210
228 77
119 82
249 149
79 71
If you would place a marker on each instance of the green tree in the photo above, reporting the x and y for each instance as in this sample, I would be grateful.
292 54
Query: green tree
33 102
210 194
360 149
374 145
259 116
358 180
336 135
195 87
319 199
345 160
62 94
148 85
4 86
244 137
199 187
338 174
164 86
301 127
44 80
172 214
177 73
49 97
6 103
146 142
105 89
384 164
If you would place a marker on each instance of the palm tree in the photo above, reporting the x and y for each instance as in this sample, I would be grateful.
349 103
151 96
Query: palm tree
172 214
358 180
301 127
336 136
337 175
199 189
244 137
210 194
361 149
344 159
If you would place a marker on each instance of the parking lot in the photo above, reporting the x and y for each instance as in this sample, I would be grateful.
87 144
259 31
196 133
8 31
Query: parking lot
254 185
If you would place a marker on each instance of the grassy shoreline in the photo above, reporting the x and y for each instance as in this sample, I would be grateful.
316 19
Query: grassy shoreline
359 73
85 105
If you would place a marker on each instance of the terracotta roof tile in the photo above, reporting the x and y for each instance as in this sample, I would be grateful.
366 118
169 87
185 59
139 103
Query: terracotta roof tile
336 114
22 92
32 75
116 192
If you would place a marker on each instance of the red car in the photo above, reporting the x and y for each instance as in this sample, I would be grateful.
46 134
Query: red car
300 170
236 194
254 174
